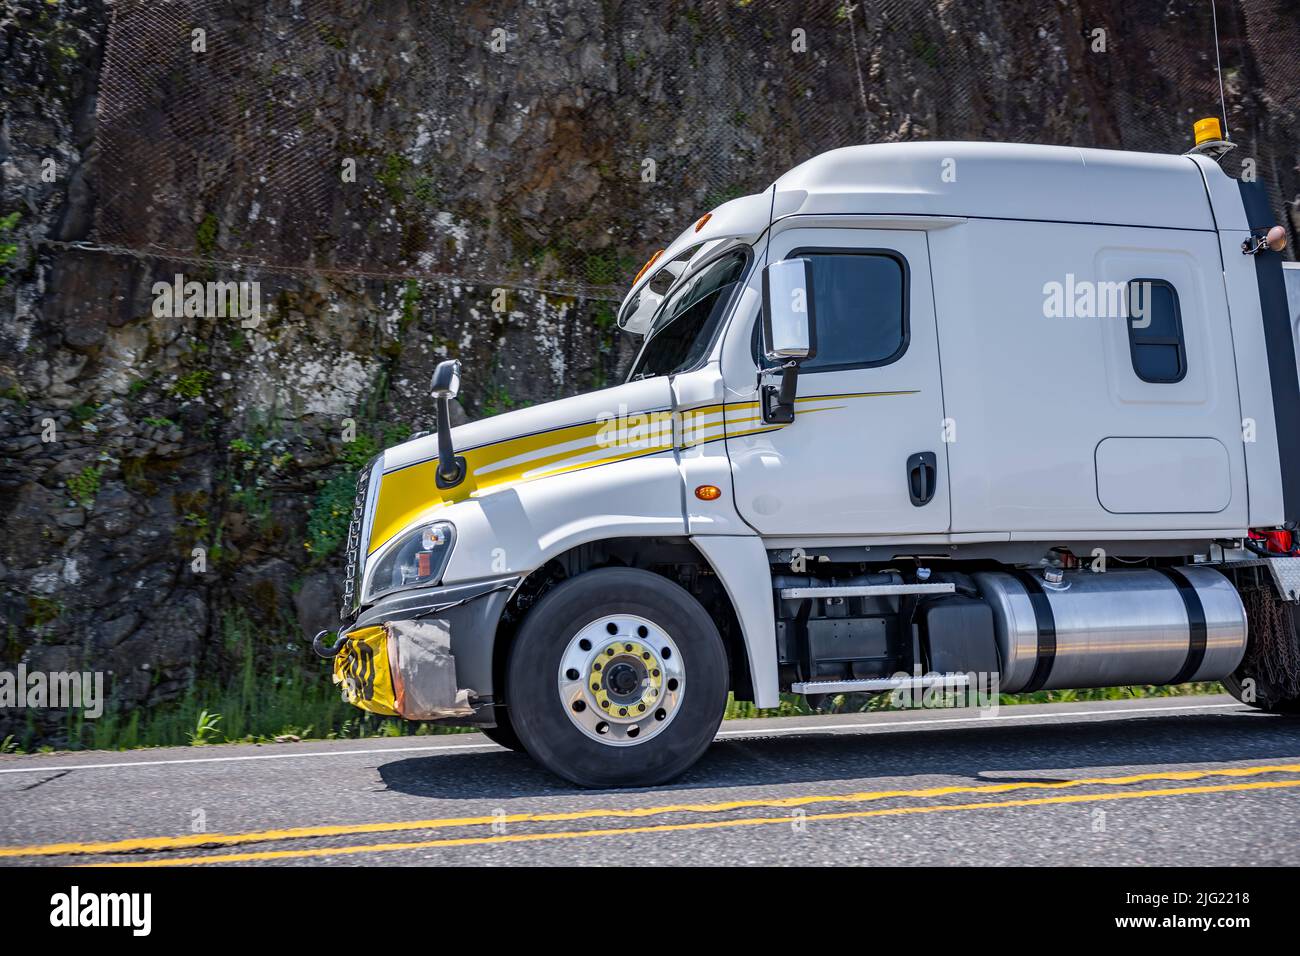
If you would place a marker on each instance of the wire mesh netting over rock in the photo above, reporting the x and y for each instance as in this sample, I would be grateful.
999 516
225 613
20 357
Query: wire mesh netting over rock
553 146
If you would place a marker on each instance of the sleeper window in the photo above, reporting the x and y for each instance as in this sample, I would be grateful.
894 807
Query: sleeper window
1155 332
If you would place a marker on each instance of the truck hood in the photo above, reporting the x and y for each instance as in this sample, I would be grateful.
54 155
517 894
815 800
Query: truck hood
560 437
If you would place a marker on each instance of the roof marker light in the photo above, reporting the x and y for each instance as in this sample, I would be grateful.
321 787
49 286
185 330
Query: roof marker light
1207 130
699 224
1209 139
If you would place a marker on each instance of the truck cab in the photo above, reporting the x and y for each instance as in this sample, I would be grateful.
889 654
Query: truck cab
918 415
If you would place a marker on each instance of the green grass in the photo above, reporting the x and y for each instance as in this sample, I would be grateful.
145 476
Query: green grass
205 237
8 249
191 384
327 522
274 687
331 510
302 703
84 485
249 709
410 304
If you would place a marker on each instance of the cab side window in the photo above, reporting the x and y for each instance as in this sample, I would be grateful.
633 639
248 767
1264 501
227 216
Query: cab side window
861 308
1155 332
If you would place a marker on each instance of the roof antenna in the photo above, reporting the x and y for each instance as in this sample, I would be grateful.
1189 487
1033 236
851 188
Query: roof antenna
1218 68
1211 138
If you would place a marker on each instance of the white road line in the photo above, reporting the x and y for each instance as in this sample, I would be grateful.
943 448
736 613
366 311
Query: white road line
863 725
50 768
756 732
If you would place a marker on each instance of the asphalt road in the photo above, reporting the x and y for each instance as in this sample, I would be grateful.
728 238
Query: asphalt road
1200 780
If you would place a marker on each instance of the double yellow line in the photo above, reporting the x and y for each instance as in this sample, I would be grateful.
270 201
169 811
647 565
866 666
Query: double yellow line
208 840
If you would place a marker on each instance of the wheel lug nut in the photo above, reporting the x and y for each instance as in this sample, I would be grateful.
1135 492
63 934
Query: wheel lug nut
605 704
627 647
622 711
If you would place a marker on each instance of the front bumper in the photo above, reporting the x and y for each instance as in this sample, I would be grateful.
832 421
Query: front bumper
470 612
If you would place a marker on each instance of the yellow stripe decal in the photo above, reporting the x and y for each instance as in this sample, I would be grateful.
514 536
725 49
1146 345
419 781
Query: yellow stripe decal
411 493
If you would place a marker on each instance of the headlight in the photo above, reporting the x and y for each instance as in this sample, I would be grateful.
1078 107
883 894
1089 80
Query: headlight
417 559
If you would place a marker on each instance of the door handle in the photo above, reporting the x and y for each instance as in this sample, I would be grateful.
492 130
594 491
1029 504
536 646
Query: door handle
922 471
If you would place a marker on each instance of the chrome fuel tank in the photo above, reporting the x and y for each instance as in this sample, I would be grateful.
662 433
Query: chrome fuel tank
1120 627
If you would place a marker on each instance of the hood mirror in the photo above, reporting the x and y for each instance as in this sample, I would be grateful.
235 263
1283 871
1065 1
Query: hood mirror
444 387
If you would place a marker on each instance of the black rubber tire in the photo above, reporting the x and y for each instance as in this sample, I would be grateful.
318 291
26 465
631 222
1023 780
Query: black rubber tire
538 713
1266 694
503 734
1265 697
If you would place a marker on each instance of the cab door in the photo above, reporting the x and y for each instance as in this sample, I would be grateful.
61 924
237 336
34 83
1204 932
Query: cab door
866 453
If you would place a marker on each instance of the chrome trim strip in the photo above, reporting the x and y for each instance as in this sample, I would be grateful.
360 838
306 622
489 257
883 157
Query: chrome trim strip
867 590
949 681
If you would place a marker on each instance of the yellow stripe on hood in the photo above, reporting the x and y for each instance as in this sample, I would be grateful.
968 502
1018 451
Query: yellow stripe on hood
406 494
411 492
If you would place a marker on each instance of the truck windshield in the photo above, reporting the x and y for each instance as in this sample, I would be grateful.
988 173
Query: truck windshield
686 322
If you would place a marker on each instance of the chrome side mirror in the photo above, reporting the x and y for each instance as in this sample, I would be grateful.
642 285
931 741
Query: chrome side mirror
789 324
446 380
789 333
444 387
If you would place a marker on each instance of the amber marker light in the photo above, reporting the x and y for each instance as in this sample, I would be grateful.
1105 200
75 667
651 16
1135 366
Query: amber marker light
708 492
649 263
1275 239
1207 130
702 220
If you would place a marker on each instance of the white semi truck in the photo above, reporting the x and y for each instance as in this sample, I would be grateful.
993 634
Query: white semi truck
916 412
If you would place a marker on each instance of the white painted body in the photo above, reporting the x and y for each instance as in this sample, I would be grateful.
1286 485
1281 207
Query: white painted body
1291 272
1041 428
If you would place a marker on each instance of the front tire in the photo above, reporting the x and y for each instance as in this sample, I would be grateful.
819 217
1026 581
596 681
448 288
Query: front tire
617 678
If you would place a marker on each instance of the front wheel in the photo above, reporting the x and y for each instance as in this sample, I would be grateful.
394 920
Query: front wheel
617 678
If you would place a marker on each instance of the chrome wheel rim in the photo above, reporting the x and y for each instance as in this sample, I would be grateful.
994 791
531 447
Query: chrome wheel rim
621 680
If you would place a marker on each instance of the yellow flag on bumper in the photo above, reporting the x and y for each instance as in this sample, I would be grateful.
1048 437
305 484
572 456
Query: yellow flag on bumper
361 668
